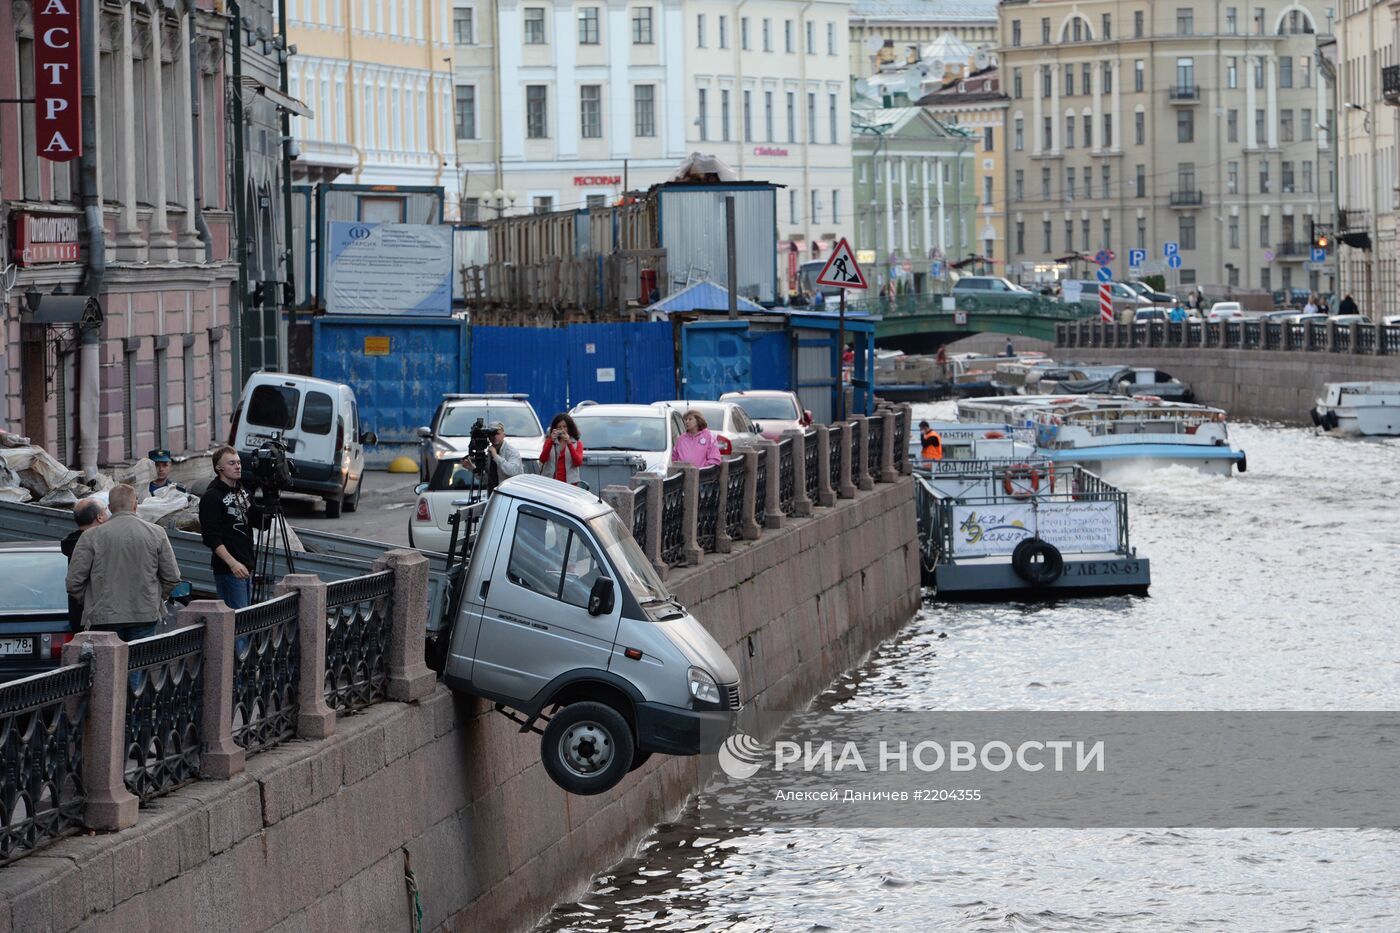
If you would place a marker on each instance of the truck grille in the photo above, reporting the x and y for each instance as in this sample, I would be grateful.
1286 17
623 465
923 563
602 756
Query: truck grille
732 692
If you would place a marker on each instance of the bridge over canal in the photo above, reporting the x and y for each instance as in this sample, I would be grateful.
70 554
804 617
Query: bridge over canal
923 323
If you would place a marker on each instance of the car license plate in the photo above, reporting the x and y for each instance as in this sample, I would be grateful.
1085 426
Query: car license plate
16 646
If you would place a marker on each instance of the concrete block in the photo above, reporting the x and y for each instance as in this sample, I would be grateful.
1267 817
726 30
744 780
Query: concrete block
235 816
365 751
300 783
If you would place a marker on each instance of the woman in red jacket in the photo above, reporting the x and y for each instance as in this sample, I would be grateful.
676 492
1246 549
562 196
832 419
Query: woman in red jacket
563 451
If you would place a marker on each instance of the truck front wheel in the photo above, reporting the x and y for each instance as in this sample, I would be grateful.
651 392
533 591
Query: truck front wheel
587 748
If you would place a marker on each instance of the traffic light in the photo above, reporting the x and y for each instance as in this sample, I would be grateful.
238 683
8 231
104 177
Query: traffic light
1322 241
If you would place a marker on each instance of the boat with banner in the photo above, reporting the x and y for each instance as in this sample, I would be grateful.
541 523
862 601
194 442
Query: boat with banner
995 528
1359 409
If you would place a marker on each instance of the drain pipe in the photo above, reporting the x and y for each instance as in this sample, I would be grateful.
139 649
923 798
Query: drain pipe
90 334
196 120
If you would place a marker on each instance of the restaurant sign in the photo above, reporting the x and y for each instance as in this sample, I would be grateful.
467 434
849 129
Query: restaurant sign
41 238
57 84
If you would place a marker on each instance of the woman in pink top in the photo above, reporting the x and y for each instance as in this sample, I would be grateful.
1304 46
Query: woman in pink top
698 444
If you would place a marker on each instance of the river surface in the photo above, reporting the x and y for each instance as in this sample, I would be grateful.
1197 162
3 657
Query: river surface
1276 589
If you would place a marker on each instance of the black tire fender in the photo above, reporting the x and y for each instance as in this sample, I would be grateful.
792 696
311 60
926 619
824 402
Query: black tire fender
1037 562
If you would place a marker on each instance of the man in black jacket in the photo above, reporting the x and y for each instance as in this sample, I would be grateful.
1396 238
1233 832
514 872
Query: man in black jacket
88 513
226 520
1348 305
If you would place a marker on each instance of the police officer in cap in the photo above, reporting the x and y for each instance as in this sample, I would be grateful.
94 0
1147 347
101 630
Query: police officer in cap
161 458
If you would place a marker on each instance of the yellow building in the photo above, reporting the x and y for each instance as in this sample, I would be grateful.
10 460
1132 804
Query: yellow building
378 79
975 102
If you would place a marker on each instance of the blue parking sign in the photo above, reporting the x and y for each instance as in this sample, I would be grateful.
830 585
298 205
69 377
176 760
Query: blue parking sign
1136 257
1169 249
1319 254
1105 274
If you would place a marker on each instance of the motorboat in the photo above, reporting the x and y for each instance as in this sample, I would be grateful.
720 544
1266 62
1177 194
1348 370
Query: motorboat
1359 409
1131 381
1104 432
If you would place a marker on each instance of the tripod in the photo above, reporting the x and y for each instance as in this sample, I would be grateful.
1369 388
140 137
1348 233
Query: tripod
272 543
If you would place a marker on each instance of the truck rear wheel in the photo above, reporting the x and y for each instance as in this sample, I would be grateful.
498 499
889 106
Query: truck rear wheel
587 748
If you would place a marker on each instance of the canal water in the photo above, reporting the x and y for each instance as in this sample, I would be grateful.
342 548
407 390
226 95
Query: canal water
1276 589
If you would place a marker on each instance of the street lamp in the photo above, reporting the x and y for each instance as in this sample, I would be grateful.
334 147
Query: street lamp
502 201
1374 203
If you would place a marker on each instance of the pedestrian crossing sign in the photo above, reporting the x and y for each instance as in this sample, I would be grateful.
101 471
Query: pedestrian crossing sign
842 270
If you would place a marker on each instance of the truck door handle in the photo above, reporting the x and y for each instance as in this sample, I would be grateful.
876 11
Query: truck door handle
485 588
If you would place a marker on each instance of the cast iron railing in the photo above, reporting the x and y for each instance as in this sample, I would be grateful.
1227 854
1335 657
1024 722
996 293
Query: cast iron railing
787 477
707 509
639 515
810 478
760 498
838 435
875 430
901 437
1341 340
266 671
359 616
1273 335
164 708
672 519
41 737
1317 335
734 500
1366 339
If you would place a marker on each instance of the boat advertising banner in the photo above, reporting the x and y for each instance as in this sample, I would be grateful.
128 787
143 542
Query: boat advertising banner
389 269
1073 527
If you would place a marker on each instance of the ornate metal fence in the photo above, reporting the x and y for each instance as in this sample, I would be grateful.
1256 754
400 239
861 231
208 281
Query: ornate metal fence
811 481
875 430
266 670
359 616
41 737
707 514
164 707
673 519
838 435
901 437
787 477
1363 339
639 515
1341 340
1273 335
1366 338
734 500
760 498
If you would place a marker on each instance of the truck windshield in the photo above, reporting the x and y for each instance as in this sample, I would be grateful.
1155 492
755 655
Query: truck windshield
632 565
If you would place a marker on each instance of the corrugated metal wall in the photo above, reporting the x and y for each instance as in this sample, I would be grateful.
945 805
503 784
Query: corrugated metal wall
717 358
692 232
816 380
398 386
532 360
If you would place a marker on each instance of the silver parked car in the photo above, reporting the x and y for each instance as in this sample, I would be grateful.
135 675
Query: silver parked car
731 425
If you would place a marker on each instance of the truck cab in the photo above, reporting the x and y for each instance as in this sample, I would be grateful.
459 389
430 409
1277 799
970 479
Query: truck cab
562 620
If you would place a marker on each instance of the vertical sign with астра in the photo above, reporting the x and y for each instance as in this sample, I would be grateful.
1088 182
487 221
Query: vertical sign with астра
57 82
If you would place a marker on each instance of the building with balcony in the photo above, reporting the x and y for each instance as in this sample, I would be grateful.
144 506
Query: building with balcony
562 106
1134 126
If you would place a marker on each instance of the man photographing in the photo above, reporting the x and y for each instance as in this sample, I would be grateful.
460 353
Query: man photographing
502 460
226 520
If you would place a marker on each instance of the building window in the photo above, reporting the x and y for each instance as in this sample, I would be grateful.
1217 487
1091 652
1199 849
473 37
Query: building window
1305 67
724 32
703 117
644 110
1285 126
588 25
1286 177
1107 180
1069 236
792 205
1185 74
462 27
787 36
1016 83
1185 21
1305 124
1142 233
1285 71
1137 24
1048 132
744 33
1020 237
811 117
543 204
1107 234
986 190
699 30
1259 21
1106 26
1084 235
1108 79
1232 72
641 25
767 35
1232 178
1107 141
466 111
1077 29
833 123
1069 80
1069 184
1069 131
1264 176
1186 176
1266 281
590 106
835 205
1086 73
1185 126
1016 34
1019 137
988 139
1045 30
1139 75
534 25
1261 122
595 201
1088 132
831 50
1045 236
1140 182
748 116
1307 176
1020 185
1140 127
1186 232
471 210
768 116
536 111
1232 126
1259 75
1234 231
1045 183
811 37
1232 26
816 215
724 115
792 116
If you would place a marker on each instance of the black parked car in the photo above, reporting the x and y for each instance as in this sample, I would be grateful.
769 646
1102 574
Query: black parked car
33 608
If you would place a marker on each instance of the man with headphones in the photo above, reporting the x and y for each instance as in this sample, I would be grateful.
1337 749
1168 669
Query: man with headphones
226 520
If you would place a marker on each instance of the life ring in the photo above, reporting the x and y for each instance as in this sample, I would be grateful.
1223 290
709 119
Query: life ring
993 435
1021 471
1037 562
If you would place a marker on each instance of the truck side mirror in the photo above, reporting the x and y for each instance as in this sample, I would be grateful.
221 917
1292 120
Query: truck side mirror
425 432
600 598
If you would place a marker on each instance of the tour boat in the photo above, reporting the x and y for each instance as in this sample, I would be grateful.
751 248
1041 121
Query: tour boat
1359 409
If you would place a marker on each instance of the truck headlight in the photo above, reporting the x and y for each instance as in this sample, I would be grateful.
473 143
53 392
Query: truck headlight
703 687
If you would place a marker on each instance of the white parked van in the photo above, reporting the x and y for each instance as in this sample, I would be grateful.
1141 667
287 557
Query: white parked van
319 423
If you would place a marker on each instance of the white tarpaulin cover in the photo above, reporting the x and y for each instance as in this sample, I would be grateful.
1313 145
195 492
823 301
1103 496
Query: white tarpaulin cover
1073 527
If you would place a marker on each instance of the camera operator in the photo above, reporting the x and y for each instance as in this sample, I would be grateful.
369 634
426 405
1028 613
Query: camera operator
226 519
502 461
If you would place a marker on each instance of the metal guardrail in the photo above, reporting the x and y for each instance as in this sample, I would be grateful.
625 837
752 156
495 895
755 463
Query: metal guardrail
266 671
707 509
164 709
875 431
41 736
639 515
673 519
787 477
734 500
811 480
359 615
838 435
760 499
1311 336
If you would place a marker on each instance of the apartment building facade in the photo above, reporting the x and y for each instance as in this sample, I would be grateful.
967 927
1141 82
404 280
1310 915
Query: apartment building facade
883 30
377 77
976 102
1199 127
561 105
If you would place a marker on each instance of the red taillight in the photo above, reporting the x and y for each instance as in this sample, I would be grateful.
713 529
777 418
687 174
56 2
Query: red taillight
725 447
56 646
339 441
424 514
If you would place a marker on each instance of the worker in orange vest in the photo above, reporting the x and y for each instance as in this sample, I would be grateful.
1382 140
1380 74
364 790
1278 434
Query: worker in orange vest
931 443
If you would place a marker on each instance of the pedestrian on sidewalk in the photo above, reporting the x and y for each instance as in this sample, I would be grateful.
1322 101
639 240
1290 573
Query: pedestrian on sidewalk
123 570
87 513
227 517
563 451
1311 306
1348 305
163 462
697 445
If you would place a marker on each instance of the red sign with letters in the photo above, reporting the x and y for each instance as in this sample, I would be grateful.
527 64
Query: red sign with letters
57 82
41 238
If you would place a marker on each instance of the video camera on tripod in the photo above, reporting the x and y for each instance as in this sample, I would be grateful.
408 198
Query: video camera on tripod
477 446
270 471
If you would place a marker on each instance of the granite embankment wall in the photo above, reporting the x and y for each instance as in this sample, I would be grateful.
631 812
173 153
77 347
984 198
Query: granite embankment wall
315 835
1273 385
